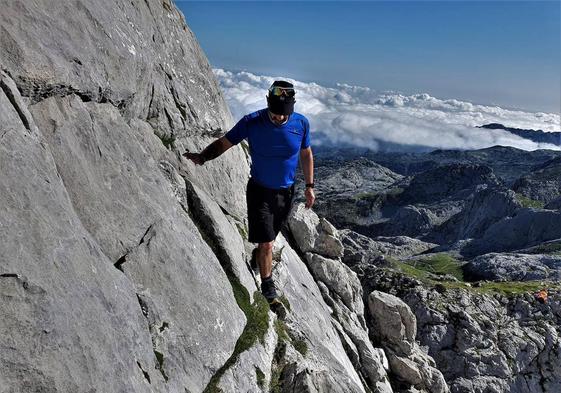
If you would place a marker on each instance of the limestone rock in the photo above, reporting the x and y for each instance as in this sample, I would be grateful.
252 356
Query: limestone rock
485 207
543 183
225 237
339 278
92 95
360 250
527 227
70 320
395 327
252 371
326 365
314 234
394 322
554 204
446 180
514 267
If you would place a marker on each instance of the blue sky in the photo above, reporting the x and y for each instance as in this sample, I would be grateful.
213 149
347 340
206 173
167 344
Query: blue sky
505 53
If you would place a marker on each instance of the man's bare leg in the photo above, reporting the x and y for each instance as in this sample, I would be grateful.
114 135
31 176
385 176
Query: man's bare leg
265 259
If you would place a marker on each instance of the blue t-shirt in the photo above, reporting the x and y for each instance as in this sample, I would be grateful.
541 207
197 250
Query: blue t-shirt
274 149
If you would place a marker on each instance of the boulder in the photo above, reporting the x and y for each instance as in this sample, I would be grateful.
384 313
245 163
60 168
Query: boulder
395 327
514 267
314 234
363 250
393 320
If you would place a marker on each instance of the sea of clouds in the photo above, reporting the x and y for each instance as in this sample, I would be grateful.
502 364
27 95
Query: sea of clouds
360 116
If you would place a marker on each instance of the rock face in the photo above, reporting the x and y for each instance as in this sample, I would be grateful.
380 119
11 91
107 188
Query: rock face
528 227
346 189
95 218
314 234
445 181
554 204
542 184
480 341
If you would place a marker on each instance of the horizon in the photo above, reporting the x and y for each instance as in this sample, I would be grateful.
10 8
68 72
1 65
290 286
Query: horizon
360 116
450 50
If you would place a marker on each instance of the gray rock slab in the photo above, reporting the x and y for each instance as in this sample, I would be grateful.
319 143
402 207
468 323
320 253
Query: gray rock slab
226 238
253 370
70 320
485 207
514 267
126 200
314 234
395 327
339 278
393 319
527 227
310 317
362 250
193 317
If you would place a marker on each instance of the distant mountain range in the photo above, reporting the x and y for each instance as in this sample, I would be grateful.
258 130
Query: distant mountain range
534 135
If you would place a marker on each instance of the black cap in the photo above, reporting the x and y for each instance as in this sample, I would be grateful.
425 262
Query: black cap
282 84
281 105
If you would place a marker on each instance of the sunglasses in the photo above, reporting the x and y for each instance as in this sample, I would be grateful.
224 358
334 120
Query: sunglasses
280 91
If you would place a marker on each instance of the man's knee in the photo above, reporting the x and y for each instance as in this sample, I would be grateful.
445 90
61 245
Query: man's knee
266 247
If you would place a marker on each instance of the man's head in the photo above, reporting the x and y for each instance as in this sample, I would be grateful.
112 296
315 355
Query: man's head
280 100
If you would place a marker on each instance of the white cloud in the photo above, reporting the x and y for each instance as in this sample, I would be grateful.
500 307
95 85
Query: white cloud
360 116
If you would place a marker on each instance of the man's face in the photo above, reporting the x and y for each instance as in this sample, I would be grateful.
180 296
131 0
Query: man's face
278 119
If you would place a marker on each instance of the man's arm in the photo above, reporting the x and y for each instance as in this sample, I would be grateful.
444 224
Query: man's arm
307 162
212 151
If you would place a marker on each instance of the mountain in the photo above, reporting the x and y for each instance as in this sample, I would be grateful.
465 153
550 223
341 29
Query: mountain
538 136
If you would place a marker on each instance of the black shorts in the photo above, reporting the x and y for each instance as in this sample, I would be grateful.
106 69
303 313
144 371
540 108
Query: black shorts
267 210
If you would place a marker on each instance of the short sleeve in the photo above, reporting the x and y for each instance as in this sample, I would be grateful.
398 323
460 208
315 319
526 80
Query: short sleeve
238 133
306 138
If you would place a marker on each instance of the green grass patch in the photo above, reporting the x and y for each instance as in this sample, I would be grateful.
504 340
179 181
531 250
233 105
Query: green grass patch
511 288
439 264
529 202
256 327
275 385
285 303
445 264
242 229
284 335
280 328
301 346
260 376
365 195
167 140
553 247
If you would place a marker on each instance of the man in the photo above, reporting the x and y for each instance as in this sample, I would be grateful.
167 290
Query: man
277 136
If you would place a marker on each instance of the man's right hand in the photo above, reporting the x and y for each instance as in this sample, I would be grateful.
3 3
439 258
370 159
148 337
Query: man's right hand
195 157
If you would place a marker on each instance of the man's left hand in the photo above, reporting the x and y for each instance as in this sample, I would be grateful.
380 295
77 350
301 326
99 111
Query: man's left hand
310 197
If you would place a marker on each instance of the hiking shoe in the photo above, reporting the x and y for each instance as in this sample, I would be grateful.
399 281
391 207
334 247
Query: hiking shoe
253 261
269 291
